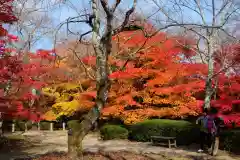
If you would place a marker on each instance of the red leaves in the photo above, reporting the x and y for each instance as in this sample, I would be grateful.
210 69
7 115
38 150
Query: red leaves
89 94
6 12
46 54
231 120
3 32
228 57
20 77
89 60
129 73
12 38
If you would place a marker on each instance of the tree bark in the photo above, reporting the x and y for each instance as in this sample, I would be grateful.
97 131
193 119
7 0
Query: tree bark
76 135
215 146
209 80
102 48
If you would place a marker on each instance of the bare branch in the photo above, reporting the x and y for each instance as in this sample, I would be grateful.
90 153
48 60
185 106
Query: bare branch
106 7
117 2
222 8
200 11
213 13
72 20
92 77
84 34
126 19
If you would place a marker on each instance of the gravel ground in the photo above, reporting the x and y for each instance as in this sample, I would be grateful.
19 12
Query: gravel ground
34 143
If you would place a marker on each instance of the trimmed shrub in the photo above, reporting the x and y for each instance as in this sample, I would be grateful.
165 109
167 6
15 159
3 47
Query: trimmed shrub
230 140
113 132
20 125
185 131
45 125
73 124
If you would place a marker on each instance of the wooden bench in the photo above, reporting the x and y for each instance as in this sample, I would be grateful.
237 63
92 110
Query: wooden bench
160 139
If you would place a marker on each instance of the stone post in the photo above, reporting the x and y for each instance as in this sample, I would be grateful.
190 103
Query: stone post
1 128
26 129
13 127
51 126
38 126
64 126
1 124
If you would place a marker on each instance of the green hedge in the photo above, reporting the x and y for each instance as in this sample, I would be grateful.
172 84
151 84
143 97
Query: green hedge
230 140
73 124
185 131
45 125
20 125
113 132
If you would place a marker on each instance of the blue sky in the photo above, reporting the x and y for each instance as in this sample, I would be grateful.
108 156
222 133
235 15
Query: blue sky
65 11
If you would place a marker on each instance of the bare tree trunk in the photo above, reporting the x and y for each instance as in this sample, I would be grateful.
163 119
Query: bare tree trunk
209 80
75 135
102 50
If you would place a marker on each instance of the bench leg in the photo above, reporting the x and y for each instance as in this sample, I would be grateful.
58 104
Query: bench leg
175 143
169 143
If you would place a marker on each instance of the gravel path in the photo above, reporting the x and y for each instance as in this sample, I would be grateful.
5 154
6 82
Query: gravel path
44 142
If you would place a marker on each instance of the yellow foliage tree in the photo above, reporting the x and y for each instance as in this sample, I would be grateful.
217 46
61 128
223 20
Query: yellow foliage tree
66 100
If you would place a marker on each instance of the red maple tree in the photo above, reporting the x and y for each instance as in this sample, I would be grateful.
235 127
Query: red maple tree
18 78
152 78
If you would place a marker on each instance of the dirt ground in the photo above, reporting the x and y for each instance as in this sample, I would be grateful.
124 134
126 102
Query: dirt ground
35 143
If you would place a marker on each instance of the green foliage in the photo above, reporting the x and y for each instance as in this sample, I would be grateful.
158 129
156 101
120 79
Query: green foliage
185 131
230 140
20 125
45 125
74 125
113 132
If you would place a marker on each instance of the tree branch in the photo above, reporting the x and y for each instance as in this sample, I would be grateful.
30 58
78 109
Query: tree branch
106 7
126 19
84 34
117 2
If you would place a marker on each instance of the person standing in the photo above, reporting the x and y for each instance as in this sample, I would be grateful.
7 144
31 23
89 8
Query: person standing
205 135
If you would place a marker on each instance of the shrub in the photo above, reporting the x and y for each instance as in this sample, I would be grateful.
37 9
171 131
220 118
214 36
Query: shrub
185 131
58 126
44 125
230 140
113 132
73 124
20 125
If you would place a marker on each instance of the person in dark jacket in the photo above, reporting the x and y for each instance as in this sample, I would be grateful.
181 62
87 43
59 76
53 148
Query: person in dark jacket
207 129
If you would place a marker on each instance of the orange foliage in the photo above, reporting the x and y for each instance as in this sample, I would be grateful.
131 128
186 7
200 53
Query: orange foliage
156 83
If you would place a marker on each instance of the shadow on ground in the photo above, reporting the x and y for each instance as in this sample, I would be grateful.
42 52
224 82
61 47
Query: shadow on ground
14 145
55 143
